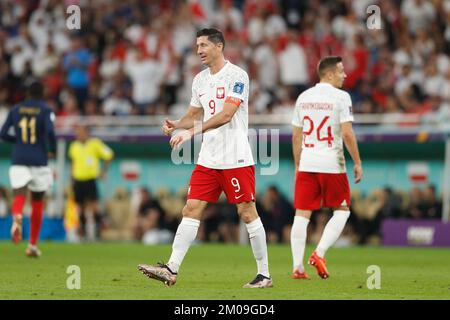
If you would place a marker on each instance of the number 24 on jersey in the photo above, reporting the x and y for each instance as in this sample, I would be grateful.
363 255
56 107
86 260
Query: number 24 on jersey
328 138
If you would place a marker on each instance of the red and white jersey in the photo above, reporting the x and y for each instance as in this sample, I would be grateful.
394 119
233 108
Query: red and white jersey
225 147
320 111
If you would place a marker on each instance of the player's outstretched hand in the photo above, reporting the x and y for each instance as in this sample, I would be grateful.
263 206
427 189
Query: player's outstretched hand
169 126
180 137
358 172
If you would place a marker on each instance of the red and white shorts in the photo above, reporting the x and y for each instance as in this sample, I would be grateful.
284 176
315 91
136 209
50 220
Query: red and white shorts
207 184
314 190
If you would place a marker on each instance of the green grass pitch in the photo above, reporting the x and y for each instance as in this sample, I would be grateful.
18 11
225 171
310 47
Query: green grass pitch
213 271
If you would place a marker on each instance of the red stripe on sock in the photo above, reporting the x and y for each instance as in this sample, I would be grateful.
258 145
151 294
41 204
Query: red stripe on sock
18 203
37 208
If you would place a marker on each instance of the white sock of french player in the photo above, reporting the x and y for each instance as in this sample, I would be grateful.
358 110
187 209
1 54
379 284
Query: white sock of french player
186 234
298 241
332 231
257 236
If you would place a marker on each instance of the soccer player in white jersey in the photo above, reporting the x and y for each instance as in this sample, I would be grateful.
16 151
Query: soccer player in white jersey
219 105
322 121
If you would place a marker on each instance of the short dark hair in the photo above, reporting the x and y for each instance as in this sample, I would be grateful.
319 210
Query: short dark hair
326 64
214 35
35 90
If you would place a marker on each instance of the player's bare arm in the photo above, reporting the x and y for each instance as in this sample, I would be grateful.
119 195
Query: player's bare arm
230 107
297 136
185 122
352 146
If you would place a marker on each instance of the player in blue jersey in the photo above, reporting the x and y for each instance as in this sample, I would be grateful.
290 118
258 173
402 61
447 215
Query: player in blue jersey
29 126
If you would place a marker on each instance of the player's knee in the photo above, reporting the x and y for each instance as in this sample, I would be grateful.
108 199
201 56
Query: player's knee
248 217
303 213
247 212
191 210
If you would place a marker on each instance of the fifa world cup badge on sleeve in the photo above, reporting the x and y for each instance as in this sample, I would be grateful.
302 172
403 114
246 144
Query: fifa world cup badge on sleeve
238 87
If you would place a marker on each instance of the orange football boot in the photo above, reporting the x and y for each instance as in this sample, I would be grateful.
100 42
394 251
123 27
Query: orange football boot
299 275
320 265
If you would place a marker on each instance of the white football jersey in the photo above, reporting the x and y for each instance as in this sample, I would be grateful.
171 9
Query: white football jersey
320 111
225 147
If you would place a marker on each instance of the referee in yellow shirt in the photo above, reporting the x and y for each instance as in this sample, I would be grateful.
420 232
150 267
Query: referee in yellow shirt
86 154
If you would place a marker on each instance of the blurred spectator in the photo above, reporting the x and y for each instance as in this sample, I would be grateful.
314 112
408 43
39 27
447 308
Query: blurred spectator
433 80
432 207
53 82
319 220
228 17
265 65
255 26
405 80
407 54
381 204
45 61
293 66
275 26
149 224
146 50
229 223
445 93
76 62
117 104
146 75
220 223
91 108
21 53
418 14
392 204
171 61
423 43
70 106
109 68
118 219
172 205
357 62
208 231
415 209
277 215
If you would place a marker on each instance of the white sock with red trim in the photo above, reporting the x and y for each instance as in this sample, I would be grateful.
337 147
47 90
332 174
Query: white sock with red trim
186 233
298 241
332 231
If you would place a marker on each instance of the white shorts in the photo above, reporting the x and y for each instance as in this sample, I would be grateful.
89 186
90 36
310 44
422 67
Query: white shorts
38 179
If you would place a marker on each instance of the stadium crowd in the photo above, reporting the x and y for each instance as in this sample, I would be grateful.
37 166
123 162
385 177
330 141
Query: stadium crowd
152 217
138 57
156 216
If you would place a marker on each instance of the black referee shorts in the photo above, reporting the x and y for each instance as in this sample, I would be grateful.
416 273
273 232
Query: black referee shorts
85 191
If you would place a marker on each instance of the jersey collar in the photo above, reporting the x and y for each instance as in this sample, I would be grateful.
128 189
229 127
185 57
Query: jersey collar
324 84
227 63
